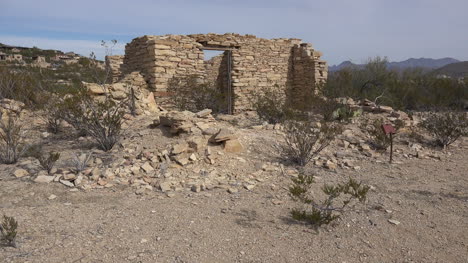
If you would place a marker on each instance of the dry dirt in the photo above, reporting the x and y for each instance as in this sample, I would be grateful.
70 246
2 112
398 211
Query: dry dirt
429 197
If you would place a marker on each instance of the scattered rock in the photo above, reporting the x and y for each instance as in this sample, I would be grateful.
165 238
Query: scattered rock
44 179
224 135
67 183
233 146
147 168
20 173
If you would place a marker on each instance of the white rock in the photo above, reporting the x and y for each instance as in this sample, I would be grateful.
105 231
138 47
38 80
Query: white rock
44 179
67 183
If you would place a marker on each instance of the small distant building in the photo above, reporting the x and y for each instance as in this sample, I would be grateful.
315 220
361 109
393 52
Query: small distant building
40 61
67 59
11 57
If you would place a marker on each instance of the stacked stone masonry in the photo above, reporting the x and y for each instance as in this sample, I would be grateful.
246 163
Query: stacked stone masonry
113 67
255 63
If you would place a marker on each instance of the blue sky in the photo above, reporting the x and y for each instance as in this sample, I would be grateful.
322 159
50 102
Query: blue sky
342 29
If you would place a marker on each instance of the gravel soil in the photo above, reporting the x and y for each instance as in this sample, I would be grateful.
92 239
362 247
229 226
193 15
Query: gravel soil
426 199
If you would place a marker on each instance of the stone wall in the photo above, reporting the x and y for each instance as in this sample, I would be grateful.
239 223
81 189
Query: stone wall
216 71
256 63
113 66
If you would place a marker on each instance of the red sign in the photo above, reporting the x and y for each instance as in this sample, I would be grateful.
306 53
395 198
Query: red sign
388 129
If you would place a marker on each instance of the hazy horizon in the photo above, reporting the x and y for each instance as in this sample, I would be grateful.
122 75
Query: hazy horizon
342 30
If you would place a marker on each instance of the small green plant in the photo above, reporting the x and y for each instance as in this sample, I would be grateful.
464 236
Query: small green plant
48 162
8 229
345 113
303 140
80 162
446 127
11 140
336 199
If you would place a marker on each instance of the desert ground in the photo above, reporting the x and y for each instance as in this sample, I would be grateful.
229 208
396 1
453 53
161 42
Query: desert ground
416 210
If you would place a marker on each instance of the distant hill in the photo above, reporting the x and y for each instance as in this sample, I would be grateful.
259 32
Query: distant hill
455 70
425 63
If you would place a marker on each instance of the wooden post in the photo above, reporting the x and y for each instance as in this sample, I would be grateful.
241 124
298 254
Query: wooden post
391 147
388 129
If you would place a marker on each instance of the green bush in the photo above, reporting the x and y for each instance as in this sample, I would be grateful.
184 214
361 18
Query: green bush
409 89
378 138
303 141
11 140
102 120
318 213
192 94
270 105
446 127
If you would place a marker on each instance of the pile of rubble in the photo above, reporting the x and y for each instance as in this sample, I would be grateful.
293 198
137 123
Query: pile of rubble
132 87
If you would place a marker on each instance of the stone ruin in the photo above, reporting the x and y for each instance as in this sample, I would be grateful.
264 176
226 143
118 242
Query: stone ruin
247 64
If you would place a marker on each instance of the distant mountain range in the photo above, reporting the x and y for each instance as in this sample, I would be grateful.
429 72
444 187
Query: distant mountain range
455 70
424 63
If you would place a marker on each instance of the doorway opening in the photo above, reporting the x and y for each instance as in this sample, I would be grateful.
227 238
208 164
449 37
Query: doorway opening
218 68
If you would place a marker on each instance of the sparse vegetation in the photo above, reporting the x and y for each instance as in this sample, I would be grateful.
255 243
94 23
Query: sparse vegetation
411 89
80 161
102 120
304 140
318 213
11 140
48 162
379 139
8 231
446 127
270 105
193 94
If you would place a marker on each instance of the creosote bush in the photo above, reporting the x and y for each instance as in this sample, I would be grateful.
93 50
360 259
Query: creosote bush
53 115
11 140
304 140
102 120
8 231
379 139
335 199
270 105
446 127
193 94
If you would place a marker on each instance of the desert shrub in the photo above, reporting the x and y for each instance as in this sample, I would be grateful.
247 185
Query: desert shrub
270 105
102 120
446 127
318 213
8 231
48 162
378 139
53 115
80 162
404 89
303 140
11 140
193 94
18 85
